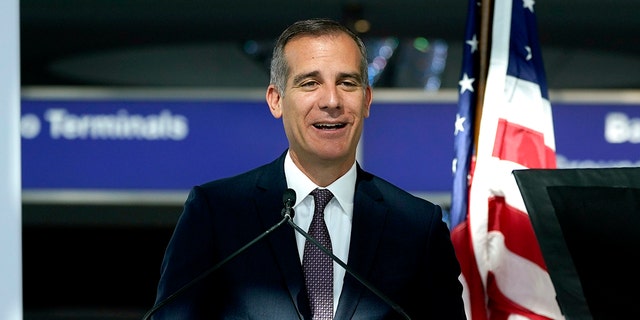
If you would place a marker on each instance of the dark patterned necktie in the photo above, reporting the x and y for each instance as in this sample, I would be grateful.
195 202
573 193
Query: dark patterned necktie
318 267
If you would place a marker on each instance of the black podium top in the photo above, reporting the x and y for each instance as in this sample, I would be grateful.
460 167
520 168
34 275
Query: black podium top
587 222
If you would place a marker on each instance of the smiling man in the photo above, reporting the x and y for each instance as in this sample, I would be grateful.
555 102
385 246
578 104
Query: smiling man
385 254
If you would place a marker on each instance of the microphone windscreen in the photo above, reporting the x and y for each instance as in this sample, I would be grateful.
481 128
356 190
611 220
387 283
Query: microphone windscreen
289 197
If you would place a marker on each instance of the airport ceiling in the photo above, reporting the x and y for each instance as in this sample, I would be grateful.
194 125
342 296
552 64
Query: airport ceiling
587 44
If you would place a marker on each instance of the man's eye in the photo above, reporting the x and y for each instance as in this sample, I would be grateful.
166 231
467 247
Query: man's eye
350 85
308 84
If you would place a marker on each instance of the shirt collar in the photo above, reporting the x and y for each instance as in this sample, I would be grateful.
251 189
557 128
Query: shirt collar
343 189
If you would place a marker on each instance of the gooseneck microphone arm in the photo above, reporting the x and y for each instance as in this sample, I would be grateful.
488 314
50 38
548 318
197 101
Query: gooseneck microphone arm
328 252
289 200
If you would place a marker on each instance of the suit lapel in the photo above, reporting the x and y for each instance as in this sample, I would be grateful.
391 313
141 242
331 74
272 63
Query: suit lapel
368 222
369 214
270 187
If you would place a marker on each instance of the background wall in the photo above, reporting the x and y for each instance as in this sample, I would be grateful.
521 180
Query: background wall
10 217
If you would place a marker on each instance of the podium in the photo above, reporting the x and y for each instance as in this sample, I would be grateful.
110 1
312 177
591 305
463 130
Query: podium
587 222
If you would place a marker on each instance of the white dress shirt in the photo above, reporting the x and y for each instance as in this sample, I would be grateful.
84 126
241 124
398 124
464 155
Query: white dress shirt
337 214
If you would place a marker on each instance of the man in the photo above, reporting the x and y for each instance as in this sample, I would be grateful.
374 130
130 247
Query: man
400 261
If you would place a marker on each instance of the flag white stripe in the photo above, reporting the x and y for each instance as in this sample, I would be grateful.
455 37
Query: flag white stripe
523 282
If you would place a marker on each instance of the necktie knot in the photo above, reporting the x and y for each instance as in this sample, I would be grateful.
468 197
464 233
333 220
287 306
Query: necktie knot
321 198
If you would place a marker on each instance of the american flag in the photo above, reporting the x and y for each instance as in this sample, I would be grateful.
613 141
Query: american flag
504 123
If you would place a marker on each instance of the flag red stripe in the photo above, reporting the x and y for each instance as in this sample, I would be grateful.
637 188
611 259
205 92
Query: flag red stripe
516 227
462 244
522 145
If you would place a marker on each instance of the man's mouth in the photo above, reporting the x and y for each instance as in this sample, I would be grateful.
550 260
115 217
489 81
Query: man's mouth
329 126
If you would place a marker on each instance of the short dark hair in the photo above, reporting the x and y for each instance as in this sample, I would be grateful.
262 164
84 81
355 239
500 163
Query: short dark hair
311 27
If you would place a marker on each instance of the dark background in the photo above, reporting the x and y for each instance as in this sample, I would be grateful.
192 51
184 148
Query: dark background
586 44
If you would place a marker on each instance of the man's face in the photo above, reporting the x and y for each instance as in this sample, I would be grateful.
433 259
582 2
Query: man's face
325 102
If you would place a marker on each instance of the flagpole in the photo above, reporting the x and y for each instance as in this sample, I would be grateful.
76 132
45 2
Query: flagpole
484 45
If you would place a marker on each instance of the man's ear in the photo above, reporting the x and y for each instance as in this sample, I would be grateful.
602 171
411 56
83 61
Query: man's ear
368 98
274 101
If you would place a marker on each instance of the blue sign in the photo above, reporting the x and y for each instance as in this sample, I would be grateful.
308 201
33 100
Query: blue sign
592 135
174 144
149 145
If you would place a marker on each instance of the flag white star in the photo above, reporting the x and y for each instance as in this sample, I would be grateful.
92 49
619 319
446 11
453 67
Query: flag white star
529 55
459 124
454 164
473 43
528 4
466 83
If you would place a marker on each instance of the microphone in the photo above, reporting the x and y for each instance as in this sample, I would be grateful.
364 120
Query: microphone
333 257
289 199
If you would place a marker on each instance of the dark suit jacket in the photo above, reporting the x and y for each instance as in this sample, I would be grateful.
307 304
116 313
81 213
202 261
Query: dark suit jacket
399 244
